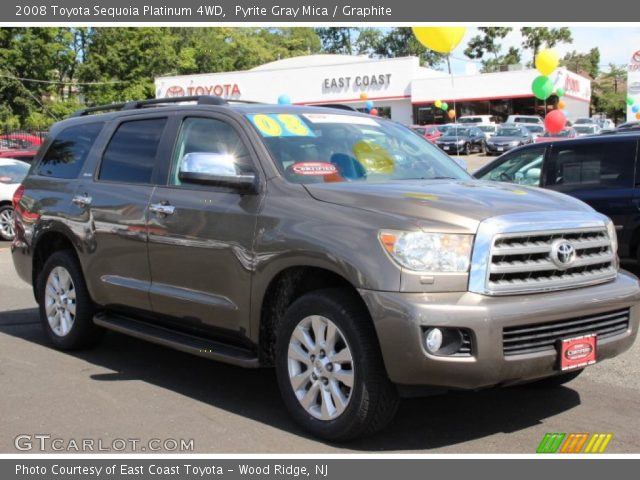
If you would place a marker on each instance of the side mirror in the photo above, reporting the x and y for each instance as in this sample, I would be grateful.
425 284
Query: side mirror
219 169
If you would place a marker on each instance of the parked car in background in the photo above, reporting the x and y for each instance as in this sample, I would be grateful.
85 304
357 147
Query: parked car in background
628 127
534 129
462 139
12 172
584 129
506 138
430 132
24 155
600 170
24 141
489 130
583 121
485 119
524 119
564 134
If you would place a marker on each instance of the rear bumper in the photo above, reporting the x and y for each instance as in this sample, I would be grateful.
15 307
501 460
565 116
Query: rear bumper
400 318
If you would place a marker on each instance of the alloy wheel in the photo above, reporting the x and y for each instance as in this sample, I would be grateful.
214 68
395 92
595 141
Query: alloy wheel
60 301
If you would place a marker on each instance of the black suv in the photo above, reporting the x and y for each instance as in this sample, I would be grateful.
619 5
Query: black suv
343 249
602 171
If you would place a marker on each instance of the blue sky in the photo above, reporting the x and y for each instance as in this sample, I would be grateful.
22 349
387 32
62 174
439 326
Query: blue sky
615 43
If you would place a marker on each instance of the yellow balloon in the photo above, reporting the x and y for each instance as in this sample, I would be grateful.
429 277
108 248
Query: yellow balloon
440 39
438 103
374 158
547 61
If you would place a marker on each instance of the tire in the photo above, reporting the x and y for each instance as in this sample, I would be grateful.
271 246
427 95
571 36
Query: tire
7 231
466 149
557 380
66 309
371 400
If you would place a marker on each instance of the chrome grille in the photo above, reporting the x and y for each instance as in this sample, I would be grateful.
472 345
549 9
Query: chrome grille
542 336
522 262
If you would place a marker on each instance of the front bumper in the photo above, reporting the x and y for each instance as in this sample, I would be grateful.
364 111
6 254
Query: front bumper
451 147
492 149
399 319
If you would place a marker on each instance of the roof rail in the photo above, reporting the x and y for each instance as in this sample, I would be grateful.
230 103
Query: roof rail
132 105
339 106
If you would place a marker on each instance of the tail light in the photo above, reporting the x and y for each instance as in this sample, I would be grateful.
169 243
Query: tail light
17 196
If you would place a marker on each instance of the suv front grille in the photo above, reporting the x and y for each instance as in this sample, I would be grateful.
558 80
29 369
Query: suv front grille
522 262
542 336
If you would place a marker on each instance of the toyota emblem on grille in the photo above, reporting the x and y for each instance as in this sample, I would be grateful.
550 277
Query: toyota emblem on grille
563 254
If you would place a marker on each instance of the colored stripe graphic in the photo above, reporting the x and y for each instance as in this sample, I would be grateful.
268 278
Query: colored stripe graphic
574 443
550 442
598 443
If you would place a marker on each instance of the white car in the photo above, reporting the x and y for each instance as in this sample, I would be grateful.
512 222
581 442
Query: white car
489 130
484 119
12 172
528 119
584 129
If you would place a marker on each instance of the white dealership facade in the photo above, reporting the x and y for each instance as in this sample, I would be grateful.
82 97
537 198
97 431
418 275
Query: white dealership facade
399 87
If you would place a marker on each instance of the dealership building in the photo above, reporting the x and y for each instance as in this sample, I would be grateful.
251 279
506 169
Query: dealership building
399 87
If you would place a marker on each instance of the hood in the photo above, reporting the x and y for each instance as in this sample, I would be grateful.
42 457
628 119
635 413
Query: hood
443 205
497 139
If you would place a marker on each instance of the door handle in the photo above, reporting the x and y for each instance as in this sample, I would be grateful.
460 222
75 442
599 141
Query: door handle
162 209
82 200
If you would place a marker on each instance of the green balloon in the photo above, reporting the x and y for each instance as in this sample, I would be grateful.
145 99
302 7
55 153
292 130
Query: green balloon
444 106
542 87
560 92
630 101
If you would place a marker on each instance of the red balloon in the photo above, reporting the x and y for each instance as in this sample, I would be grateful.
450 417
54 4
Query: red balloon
555 121
374 112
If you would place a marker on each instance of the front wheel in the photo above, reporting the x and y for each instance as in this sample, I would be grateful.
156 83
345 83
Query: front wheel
329 367
7 231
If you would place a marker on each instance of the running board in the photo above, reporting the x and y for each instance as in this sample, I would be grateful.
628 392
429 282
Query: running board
202 347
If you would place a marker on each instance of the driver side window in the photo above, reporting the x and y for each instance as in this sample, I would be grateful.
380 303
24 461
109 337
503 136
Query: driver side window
523 167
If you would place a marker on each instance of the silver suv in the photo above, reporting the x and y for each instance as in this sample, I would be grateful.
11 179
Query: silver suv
344 250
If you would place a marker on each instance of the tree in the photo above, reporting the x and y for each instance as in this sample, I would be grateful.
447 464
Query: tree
583 62
534 38
336 39
609 93
512 57
480 45
401 42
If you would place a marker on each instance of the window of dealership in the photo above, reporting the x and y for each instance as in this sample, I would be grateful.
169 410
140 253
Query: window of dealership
399 87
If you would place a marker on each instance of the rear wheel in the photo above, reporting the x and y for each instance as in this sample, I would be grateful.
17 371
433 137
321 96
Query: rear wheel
7 231
66 310
329 367
466 149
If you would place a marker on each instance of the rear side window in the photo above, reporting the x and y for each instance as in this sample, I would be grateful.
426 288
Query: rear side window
67 153
131 153
600 165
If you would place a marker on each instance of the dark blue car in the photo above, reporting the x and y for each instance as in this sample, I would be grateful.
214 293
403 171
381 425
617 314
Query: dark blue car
601 171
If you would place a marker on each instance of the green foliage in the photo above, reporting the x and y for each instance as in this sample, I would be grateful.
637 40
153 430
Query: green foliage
535 38
401 42
583 62
609 93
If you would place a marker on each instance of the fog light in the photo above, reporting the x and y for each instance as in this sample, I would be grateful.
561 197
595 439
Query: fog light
433 340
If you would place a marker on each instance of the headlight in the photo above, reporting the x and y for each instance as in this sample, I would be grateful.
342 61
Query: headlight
515 143
460 141
428 252
613 236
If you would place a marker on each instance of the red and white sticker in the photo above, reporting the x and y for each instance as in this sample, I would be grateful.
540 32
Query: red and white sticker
314 168
578 352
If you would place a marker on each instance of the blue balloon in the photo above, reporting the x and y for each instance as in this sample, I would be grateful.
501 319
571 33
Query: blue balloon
284 99
635 108
368 105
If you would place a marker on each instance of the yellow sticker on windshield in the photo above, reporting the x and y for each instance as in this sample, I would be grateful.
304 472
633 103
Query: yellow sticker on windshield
422 196
280 125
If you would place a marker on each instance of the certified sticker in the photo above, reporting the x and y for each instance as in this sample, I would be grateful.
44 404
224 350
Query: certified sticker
314 168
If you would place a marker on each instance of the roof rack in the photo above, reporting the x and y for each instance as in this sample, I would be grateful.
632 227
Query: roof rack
133 105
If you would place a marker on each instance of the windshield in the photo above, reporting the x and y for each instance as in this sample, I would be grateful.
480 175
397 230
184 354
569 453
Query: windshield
318 148
420 131
457 132
583 121
562 133
585 129
470 120
526 120
443 128
535 128
487 128
509 132
13 172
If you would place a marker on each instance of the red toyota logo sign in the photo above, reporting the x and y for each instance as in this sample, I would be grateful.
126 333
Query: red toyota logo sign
635 58
175 91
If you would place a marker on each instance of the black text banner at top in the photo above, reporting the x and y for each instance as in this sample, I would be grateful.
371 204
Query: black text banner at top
321 12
